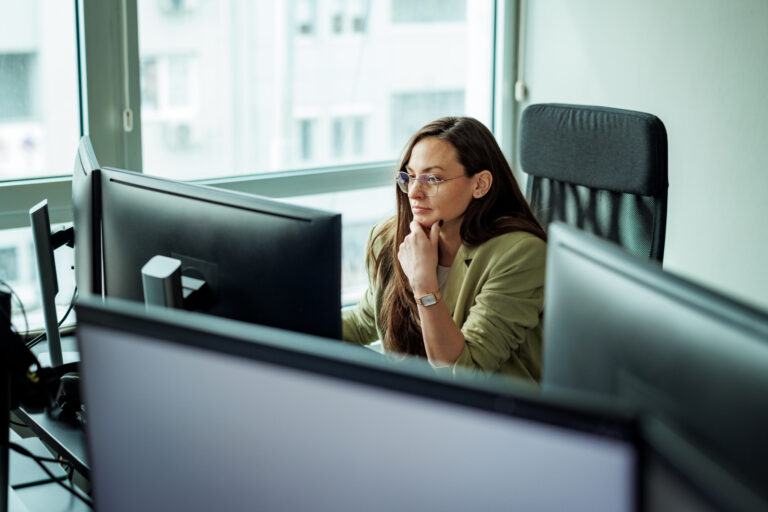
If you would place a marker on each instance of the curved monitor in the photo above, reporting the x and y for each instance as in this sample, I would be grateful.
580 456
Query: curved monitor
263 261
618 325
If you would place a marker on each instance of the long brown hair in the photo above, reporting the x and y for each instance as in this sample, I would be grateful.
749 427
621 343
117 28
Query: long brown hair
501 210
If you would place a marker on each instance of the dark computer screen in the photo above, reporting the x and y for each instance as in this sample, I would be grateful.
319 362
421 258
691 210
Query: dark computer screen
263 261
618 325
244 417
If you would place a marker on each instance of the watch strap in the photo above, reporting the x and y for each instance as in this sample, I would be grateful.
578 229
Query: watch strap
430 299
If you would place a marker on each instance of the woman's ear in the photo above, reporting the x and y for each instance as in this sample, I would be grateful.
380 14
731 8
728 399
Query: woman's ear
483 181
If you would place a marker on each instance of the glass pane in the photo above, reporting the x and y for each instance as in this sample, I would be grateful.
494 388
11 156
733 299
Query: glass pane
39 105
231 87
18 268
360 210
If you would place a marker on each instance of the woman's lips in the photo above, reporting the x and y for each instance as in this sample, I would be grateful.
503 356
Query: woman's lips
419 209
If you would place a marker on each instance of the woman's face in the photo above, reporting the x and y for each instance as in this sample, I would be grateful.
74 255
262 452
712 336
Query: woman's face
435 156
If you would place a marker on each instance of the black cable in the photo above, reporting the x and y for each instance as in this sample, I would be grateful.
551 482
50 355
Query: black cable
42 458
31 343
23 451
21 306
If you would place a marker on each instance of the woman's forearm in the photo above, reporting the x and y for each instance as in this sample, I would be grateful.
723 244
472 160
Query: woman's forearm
443 340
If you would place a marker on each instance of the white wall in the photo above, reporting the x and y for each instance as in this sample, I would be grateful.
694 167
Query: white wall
702 67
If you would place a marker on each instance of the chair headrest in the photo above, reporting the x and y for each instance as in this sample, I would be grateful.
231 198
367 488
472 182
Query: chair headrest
598 147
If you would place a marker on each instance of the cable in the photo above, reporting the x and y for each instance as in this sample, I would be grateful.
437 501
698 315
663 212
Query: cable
17 423
37 339
39 460
21 306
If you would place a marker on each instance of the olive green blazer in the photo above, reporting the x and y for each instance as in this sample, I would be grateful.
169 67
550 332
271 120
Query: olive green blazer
495 293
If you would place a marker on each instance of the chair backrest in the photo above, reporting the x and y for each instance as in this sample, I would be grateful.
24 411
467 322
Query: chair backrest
601 169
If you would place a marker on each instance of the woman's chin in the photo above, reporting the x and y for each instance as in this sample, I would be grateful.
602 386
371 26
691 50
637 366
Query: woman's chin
425 219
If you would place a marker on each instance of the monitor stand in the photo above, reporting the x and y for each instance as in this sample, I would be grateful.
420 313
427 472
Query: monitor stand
165 286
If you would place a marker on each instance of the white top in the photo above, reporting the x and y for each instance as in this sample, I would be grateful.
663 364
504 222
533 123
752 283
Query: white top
442 276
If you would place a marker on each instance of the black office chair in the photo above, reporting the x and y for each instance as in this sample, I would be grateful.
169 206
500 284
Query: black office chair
601 169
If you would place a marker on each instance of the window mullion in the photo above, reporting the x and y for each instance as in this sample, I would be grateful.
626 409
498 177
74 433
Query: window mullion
104 73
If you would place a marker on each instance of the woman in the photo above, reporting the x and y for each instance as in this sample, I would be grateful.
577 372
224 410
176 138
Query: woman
457 275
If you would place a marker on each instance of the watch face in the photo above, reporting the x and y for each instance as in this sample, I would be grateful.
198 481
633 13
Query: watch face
428 300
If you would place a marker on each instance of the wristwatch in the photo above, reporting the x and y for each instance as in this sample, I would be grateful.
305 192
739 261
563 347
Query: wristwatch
430 299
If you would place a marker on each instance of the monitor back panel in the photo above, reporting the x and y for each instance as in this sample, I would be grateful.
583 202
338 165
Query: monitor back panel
265 262
620 326
178 427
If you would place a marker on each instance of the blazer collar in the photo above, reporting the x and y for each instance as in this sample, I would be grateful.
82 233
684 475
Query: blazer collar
459 270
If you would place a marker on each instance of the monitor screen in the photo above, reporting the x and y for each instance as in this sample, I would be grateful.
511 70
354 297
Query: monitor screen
263 261
619 325
243 417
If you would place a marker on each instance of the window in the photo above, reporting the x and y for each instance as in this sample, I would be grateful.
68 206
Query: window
245 88
359 15
39 107
307 139
231 88
39 130
360 210
16 72
348 137
306 12
241 89
18 268
412 110
9 264
428 11
337 16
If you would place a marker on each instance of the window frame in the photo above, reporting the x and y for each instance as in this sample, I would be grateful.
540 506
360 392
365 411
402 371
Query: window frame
109 79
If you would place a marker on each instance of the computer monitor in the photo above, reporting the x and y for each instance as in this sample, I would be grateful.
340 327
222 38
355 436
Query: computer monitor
87 250
237 416
85 213
679 476
618 325
263 261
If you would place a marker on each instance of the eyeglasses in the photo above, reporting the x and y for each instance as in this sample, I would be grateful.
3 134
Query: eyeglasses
429 182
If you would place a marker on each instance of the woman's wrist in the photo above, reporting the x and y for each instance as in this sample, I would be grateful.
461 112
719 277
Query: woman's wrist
422 287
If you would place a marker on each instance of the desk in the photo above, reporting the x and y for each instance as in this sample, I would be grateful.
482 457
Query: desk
31 488
66 440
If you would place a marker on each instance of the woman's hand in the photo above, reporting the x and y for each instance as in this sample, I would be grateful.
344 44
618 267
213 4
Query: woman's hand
418 257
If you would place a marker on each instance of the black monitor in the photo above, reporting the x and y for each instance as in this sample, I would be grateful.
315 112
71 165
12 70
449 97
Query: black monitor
618 325
87 250
245 417
85 210
262 261
678 475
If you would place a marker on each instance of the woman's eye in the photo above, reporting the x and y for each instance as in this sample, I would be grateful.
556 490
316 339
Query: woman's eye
432 179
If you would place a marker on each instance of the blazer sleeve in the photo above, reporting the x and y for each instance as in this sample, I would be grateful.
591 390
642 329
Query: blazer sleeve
508 305
358 323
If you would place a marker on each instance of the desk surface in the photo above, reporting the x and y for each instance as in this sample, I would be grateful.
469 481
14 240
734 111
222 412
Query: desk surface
32 489
67 440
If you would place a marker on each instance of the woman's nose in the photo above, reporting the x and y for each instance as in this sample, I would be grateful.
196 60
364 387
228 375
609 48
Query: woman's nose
414 189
